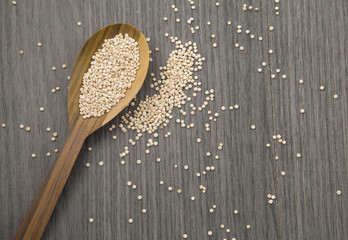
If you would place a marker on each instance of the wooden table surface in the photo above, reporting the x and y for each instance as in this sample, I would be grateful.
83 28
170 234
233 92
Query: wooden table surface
309 42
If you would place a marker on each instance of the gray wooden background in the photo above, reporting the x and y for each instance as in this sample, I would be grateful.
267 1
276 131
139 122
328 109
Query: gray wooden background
309 42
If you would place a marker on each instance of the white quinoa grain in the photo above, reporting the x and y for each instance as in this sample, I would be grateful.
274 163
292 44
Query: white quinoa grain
175 78
113 78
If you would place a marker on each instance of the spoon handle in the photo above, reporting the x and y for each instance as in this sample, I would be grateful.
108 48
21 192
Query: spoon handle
46 198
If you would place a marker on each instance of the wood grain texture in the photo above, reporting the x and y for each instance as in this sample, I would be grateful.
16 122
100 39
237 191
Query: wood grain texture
309 43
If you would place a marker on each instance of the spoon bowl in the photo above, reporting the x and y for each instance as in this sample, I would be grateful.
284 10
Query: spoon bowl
83 62
45 200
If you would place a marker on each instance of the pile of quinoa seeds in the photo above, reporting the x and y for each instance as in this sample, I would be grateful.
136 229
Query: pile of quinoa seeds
176 76
112 71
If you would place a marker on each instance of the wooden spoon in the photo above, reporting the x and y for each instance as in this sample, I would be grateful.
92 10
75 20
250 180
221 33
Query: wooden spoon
45 201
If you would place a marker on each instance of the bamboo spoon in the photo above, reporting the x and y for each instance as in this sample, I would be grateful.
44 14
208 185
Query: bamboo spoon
45 201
